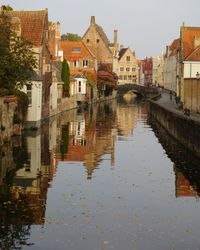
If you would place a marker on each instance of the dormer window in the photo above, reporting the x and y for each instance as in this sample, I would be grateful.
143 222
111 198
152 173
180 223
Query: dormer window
76 49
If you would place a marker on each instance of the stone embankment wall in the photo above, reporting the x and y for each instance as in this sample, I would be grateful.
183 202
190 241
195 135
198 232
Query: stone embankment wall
8 105
183 128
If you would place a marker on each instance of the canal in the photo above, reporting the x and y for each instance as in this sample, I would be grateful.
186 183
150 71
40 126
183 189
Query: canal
109 177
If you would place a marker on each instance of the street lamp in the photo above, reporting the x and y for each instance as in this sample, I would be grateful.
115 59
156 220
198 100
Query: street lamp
197 76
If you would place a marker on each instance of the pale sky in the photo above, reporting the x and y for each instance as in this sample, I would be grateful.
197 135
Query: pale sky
145 26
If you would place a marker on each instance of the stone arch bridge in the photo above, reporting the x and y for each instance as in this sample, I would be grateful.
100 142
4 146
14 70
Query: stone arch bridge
139 90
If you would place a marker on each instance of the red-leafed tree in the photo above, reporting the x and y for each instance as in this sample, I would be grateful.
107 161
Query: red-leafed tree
106 79
105 75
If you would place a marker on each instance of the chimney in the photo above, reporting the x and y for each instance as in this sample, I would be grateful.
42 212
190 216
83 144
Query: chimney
115 46
92 21
115 38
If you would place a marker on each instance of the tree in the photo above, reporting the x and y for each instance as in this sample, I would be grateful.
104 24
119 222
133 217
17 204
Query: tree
65 76
70 37
6 8
106 79
105 76
17 60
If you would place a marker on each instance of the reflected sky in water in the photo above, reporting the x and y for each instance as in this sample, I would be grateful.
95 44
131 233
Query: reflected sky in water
105 178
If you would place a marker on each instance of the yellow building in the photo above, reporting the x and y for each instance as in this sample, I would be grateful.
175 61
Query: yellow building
127 68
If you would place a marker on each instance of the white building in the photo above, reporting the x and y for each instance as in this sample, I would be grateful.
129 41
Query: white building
171 66
33 89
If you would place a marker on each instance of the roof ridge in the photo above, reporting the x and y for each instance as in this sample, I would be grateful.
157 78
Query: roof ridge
27 11
195 50
88 49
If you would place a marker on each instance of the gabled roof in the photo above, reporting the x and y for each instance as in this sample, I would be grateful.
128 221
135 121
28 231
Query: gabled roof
188 35
100 32
174 47
194 56
32 24
86 72
69 50
122 52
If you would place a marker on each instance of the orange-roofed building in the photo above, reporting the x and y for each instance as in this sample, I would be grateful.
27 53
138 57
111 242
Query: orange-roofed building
33 27
82 64
189 82
78 55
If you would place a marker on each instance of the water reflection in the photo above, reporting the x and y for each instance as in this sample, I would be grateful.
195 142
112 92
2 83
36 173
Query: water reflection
28 165
186 165
84 137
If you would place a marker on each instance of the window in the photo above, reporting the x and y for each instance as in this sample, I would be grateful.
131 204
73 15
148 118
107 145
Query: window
129 78
127 69
29 93
125 77
79 86
76 64
88 40
120 77
128 58
85 63
133 69
121 68
134 78
98 40
76 49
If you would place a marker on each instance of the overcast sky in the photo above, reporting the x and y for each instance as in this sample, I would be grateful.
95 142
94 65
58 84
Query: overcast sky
145 26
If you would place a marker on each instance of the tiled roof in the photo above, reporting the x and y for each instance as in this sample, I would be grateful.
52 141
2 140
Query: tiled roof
174 47
188 38
89 71
195 55
122 52
32 24
69 52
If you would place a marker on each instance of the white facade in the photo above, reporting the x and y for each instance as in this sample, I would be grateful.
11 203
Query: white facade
170 73
33 166
34 93
78 86
191 69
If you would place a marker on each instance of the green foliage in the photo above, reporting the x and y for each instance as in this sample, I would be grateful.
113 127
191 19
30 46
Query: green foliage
65 76
17 60
65 141
16 119
91 79
70 37
22 103
6 8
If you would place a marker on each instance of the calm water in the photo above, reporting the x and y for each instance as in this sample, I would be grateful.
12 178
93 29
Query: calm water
106 178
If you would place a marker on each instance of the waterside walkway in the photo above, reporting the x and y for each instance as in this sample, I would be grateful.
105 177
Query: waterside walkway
170 104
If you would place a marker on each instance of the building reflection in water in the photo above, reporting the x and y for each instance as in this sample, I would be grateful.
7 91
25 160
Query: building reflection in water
28 164
186 165
85 136
127 117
